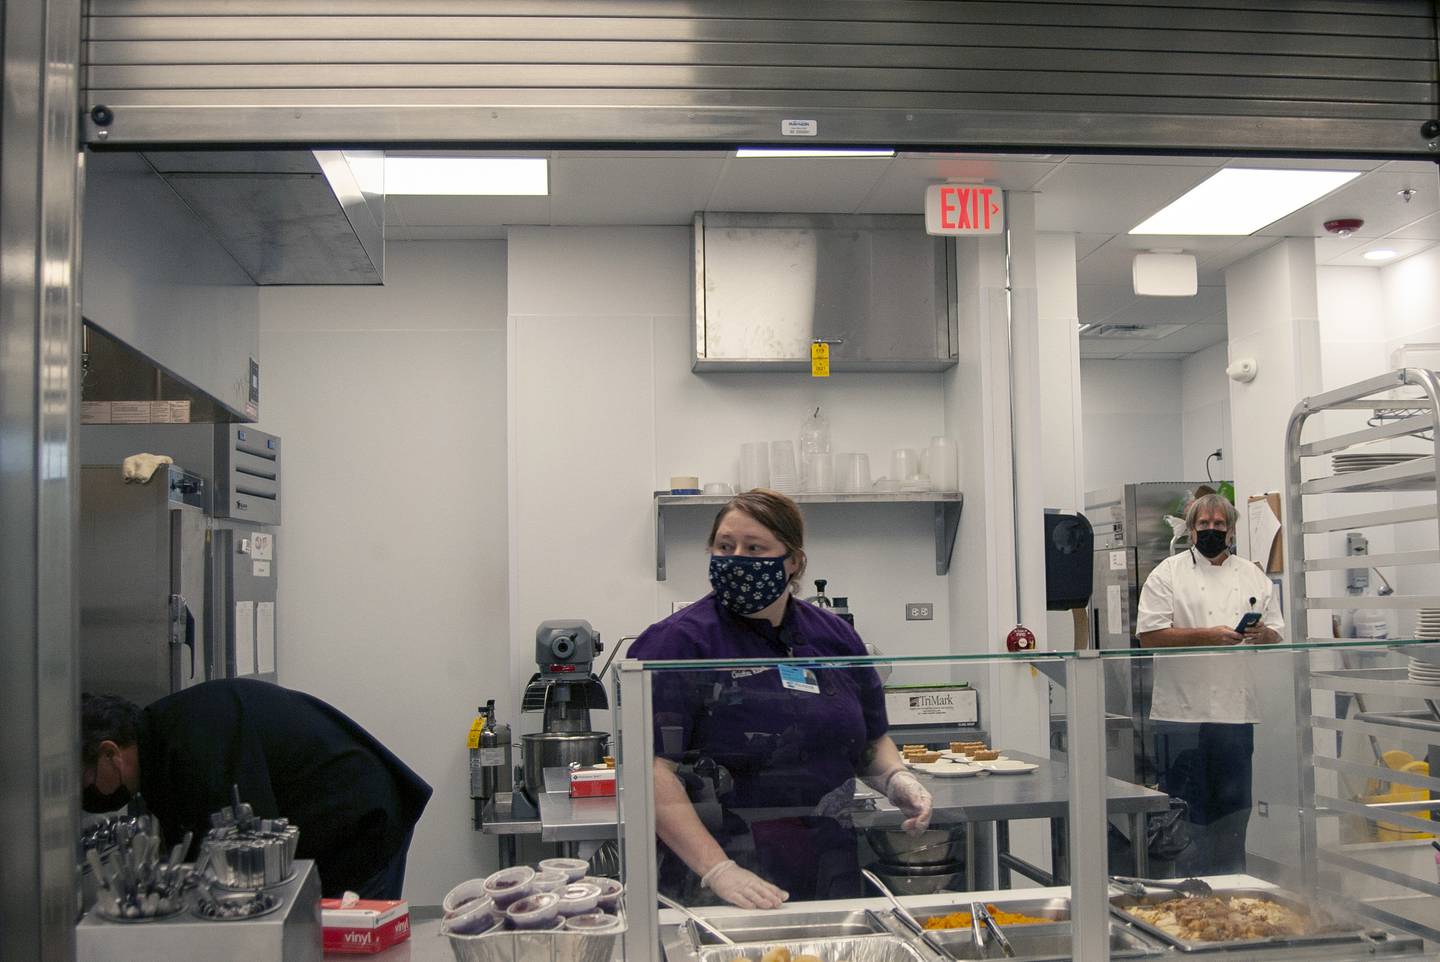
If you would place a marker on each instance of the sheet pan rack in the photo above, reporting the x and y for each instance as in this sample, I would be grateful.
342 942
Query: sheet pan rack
1322 475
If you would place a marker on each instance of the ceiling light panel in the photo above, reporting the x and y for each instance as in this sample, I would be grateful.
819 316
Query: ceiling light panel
756 152
1240 201
467 176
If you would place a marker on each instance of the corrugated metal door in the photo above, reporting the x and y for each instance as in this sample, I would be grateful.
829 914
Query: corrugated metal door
1332 76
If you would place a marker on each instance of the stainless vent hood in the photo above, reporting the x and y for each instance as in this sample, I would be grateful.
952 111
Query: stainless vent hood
877 288
285 216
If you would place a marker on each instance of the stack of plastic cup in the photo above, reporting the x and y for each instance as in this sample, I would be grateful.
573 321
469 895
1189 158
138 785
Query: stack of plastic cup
783 477
754 465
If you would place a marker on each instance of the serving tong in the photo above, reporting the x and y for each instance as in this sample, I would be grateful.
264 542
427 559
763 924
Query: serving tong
903 914
1135 887
980 915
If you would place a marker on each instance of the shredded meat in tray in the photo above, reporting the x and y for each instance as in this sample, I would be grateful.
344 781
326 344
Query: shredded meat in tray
1222 919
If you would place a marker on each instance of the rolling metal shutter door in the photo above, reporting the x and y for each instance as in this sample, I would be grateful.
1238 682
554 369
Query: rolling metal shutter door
1329 76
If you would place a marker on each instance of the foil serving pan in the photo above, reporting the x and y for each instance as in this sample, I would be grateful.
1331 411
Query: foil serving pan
801 927
1043 942
865 948
518 945
1332 927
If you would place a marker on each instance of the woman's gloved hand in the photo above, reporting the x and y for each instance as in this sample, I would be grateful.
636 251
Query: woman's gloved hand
744 888
907 794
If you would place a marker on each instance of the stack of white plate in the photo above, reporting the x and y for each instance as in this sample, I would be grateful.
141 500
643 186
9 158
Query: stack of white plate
1349 463
1424 672
1425 663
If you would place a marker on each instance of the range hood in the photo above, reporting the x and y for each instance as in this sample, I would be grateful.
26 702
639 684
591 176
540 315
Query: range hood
286 216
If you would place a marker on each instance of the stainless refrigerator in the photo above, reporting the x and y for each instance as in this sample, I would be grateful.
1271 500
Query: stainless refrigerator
142 582
179 575
1131 538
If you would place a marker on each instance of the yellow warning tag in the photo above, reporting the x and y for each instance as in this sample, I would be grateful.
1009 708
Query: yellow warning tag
819 359
476 727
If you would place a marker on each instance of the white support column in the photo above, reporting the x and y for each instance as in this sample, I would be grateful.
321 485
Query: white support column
634 754
1088 827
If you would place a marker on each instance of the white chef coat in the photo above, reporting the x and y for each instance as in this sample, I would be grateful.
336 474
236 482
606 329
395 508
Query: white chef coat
1187 591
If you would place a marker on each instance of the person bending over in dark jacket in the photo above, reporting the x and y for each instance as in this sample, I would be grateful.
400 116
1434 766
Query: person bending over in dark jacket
292 756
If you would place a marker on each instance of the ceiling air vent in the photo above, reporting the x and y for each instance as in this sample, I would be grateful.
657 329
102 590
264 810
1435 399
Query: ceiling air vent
1136 332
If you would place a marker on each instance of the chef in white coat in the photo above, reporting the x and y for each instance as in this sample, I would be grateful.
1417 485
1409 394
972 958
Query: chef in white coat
1205 708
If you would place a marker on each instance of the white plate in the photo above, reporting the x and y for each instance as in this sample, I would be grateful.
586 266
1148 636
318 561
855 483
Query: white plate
948 770
1007 766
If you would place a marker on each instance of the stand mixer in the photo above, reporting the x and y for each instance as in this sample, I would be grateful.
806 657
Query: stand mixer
564 690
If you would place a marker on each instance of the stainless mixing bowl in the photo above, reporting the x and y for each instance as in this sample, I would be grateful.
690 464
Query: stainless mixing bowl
936 846
921 881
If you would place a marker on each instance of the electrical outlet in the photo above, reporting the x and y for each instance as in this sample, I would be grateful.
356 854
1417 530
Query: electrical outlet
919 611
1262 809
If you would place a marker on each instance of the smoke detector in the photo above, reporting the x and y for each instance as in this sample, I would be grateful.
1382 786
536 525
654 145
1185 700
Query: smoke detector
1344 226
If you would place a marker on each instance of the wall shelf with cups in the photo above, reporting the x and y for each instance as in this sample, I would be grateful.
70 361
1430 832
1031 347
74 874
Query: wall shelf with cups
948 506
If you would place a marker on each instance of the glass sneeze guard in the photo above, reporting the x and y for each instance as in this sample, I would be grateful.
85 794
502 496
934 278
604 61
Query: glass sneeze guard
785 768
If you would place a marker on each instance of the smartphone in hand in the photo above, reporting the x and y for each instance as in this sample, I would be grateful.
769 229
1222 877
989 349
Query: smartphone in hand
1250 620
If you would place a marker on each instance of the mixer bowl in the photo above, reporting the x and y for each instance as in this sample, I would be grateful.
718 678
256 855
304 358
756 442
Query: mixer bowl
936 846
544 750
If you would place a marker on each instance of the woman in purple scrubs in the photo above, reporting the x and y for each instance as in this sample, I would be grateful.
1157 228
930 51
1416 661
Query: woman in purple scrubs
750 763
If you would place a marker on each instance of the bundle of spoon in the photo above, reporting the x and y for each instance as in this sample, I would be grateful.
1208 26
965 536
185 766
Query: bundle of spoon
135 881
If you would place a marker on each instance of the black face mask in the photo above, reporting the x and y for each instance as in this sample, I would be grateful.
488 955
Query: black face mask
96 802
1210 542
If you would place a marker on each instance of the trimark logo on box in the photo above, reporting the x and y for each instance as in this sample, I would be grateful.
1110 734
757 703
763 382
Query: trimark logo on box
932 701
964 209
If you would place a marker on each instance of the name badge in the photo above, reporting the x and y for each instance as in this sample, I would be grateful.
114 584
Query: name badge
796 678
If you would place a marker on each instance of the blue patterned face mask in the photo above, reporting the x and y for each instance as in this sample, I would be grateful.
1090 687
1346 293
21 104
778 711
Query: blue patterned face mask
747 585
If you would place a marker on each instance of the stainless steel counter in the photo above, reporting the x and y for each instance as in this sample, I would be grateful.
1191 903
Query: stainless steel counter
995 800
291 932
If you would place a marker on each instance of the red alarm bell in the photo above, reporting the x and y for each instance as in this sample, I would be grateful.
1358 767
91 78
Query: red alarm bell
1020 639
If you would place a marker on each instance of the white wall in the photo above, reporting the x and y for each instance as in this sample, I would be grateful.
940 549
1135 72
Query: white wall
605 409
1205 414
392 556
1133 417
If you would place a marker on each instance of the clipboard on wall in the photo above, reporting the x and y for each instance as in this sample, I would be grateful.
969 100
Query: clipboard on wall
1262 517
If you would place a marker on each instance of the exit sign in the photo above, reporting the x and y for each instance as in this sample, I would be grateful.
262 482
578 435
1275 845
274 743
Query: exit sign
964 209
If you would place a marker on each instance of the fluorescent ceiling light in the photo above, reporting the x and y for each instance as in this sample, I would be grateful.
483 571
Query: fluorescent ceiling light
457 176
1241 200
814 152
1380 254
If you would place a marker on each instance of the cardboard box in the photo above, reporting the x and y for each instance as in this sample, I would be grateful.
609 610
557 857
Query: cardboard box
592 783
932 705
365 926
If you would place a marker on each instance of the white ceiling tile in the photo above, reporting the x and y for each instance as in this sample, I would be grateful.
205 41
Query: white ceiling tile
1304 163
1374 197
1100 351
1085 243
1426 228
1206 307
1242 248
1111 262
901 190
1187 340
1354 257
1096 303
1110 198
463 211
1144 160
816 185
630 190
459 232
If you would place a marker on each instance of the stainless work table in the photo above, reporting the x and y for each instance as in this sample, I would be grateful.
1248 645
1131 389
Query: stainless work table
995 800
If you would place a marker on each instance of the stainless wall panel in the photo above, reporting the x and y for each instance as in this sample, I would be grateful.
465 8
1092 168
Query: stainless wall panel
920 72
39 339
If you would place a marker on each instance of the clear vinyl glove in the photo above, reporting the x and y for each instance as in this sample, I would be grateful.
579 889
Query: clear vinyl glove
907 794
742 887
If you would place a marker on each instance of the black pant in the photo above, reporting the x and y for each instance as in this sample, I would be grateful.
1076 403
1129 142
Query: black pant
388 882
1209 766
